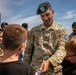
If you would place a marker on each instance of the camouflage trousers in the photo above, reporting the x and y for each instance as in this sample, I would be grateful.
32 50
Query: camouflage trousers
57 70
49 73
53 70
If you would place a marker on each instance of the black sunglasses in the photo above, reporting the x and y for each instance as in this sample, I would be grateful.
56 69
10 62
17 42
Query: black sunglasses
71 55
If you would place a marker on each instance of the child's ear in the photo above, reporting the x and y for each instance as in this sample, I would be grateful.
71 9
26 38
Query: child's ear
22 47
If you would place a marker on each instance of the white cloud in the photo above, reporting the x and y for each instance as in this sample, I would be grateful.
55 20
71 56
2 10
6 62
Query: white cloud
32 20
14 18
4 8
68 15
19 2
18 19
8 13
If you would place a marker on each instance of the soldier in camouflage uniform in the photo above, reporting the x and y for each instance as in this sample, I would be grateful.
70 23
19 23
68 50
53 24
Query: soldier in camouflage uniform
48 42
74 30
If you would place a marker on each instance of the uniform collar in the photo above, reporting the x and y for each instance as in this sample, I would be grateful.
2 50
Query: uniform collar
52 27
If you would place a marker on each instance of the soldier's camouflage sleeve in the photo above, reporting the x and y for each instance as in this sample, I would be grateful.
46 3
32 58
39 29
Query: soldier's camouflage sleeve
29 47
1 52
60 53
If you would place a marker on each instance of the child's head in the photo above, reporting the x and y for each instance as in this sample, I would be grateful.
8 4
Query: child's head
70 47
13 36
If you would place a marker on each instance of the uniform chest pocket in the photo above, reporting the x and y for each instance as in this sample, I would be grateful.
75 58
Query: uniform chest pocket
38 37
46 36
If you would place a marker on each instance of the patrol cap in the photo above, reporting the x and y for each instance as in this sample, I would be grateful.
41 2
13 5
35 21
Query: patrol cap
74 24
43 7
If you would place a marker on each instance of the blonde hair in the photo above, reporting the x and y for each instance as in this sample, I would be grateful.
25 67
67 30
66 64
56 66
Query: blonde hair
70 44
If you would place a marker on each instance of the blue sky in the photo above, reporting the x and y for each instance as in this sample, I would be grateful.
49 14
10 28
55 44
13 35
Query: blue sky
21 11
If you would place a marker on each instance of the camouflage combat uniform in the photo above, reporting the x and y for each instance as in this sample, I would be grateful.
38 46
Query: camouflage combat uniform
1 50
48 44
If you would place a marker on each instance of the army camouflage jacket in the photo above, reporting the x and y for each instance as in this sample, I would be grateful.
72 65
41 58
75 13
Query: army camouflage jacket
1 49
48 45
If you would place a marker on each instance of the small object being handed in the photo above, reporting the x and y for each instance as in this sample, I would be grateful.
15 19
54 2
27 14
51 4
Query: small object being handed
38 72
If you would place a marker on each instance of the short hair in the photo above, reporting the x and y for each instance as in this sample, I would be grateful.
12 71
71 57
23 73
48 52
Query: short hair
13 36
70 44
74 24
25 25
3 24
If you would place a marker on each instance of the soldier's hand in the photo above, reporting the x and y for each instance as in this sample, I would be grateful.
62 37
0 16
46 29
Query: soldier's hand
44 66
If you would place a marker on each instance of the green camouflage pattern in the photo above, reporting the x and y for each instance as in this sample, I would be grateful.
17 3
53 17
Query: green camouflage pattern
48 45
1 48
1 51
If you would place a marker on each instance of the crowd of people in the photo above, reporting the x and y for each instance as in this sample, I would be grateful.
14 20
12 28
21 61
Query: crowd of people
44 50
